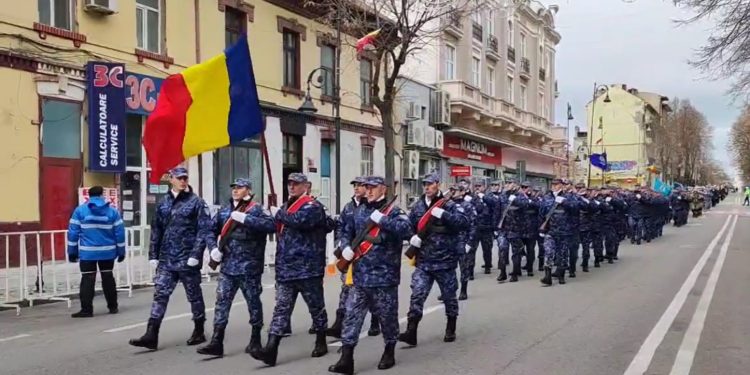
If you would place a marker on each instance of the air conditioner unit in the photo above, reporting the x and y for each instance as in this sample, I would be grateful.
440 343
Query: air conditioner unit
439 140
104 7
429 137
442 108
413 113
412 162
415 135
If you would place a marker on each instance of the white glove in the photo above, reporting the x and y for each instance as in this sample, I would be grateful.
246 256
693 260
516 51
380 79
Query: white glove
216 255
348 253
512 198
467 248
438 212
192 262
638 196
542 235
609 199
597 203
559 199
154 263
274 210
376 216
238 216
679 198
480 195
585 200
415 241
467 198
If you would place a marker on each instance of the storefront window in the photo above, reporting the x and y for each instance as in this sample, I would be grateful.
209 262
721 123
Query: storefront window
133 131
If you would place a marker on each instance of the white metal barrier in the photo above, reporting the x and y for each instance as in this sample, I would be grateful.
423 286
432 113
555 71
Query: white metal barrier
11 278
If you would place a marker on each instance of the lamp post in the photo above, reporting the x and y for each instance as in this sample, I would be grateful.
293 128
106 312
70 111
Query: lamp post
582 150
591 126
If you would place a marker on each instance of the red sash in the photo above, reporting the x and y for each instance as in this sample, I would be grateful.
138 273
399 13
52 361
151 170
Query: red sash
225 228
426 217
292 209
365 246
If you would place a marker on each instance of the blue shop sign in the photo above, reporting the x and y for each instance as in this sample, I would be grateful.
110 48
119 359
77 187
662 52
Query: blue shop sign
106 116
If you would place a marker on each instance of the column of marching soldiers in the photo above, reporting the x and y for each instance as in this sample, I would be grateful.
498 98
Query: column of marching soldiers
444 231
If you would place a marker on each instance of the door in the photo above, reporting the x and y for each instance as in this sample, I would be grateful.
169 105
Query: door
325 174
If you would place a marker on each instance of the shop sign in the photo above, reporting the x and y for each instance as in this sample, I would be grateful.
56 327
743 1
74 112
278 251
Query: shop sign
472 150
106 115
141 93
110 195
460 171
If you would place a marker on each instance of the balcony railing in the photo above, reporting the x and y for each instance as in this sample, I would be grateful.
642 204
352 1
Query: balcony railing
511 54
542 74
453 23
476 31
525 66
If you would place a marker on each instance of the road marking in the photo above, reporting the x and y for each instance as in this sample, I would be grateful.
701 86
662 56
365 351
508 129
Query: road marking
645 354
426 311
14 337
684 361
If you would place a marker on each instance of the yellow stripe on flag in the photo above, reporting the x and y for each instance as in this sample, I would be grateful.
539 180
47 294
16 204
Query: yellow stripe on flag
206 119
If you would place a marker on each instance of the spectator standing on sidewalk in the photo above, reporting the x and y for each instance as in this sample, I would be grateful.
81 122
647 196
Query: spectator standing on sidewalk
747 196
96 237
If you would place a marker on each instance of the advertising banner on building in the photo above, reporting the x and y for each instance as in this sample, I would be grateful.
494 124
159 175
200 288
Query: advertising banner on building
106 97
471 150
141 92
460 171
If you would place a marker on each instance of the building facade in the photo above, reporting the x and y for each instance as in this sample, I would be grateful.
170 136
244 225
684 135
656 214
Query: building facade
47 152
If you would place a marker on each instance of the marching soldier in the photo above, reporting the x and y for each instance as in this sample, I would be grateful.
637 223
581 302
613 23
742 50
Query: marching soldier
589 213
610 209
531 232
180 232
538 199
465 262
558 211
512 228
300 266
484 206
375 272
437 227
242 260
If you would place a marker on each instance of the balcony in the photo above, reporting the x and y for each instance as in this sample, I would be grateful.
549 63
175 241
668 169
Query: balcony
542 74
452 25
511 55
493 48
476 31
525 68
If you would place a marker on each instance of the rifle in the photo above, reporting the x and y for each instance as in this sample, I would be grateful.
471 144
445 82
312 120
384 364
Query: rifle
229 227
343 264
504 214
412 251
543 227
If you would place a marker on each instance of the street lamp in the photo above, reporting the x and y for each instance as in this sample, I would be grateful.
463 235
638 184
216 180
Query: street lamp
591 127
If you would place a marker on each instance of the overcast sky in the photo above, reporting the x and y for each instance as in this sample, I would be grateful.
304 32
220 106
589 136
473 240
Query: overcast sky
639 44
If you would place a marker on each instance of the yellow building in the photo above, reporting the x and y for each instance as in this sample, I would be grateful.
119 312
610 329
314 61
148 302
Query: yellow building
622 119
46 45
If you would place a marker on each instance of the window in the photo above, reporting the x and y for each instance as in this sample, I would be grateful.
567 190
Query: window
242 160
511 89
148 25
477 17
542 58
545 106
491 22
510 33
291 59
491 81
523 100
234 25
450 62
423 113
540 105
366 161
328 63
523 45
476 65
61 129
292 150
56 13
365 81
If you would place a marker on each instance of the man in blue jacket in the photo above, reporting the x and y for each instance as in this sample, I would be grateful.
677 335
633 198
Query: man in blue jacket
180 231
96 236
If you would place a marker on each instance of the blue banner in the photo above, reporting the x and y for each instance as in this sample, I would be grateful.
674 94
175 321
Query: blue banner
141 93
106 97
600 161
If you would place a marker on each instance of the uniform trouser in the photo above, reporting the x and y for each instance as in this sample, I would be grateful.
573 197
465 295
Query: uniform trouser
556 252
382 301
586 241
286 296
529 243
346 291
540 243
503 247
517 245
226 290
164 283
88 280
421 284
610 243
597 243
636 226
483 238
575 243
746 202
681 217
466 264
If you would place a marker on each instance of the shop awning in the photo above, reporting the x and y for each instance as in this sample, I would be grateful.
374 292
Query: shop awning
484 138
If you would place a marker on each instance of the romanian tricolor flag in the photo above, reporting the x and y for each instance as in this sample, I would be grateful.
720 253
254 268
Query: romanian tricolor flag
205 107
367 40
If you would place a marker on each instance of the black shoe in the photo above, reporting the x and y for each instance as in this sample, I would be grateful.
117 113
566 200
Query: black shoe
254 348
585 268
311 331
216 346
463 296
287 331
541 268
547 279
335 329
487 271
321 346
596 264
198 336
114 310
374 326
388 359
616 258
150 340
471 277
638 242
82 314
610 261
450 329
410 336
560 276
345 365
572 275
513 278
269 354
503 276
530 273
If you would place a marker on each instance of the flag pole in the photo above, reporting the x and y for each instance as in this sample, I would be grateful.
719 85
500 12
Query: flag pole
272 195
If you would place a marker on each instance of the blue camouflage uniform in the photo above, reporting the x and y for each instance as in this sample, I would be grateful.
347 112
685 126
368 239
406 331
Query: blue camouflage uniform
243 261
611 209
575 235
466 237
181 229
484 205
376 274
513 229
589 212
559 228
531 232
680 206
538 201
300 261
636 215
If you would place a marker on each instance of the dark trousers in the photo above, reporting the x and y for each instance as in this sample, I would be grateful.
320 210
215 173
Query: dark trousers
88 280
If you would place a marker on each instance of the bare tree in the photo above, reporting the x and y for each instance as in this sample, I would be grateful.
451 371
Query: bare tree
739 143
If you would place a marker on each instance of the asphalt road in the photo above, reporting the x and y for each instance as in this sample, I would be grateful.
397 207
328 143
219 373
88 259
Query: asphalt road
679 305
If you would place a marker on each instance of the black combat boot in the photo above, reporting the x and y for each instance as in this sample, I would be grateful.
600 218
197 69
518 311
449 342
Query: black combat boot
254 348
487 270
585 267
150 340
513 278
335 329
541 266
561 276
596 263
198 336
374 326
450 329
216 346
547 279
321 346
503 276
345 365
463 296
410 336
269 354
515 271
388 359
311 330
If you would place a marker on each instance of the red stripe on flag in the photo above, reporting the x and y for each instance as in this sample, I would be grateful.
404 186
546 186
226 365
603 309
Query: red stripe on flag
165 127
